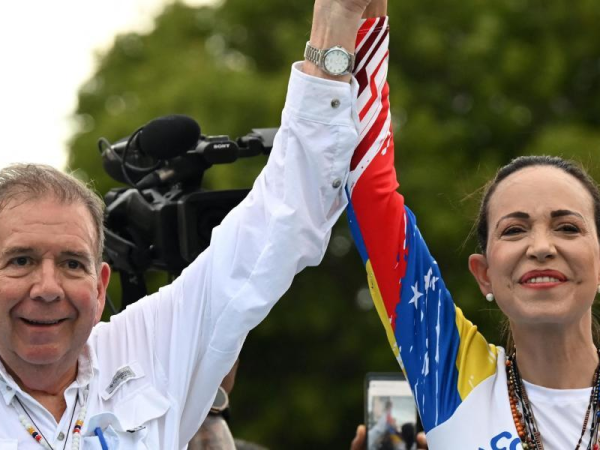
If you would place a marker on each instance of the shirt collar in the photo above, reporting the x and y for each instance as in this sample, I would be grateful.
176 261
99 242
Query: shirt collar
8 386
87 365
87 368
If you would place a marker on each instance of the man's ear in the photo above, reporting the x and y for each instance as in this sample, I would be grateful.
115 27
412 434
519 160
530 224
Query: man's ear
101 286
478 266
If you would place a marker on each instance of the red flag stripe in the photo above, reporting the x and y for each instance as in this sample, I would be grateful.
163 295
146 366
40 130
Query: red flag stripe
371 47
373 87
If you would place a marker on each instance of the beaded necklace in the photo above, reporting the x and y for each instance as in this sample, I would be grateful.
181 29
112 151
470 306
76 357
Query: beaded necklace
28 423
524 419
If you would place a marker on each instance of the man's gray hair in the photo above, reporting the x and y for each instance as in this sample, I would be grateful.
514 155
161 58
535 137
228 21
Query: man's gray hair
34 181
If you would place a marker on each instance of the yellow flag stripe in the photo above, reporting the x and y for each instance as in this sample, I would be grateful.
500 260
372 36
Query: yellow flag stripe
380 307
476 359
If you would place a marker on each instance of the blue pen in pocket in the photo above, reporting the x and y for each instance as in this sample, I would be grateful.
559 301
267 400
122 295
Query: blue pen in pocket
98 432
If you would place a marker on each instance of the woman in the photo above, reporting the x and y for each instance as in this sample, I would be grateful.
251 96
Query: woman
540 261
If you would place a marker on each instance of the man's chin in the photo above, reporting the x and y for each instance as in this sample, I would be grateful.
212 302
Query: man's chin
42 369
42 355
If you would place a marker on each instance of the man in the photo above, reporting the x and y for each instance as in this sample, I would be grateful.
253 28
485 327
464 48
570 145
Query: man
147 379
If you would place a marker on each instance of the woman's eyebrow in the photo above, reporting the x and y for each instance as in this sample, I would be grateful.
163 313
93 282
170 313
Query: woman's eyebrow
513 215
553 214
565 212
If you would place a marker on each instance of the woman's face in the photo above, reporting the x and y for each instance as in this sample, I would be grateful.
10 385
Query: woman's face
542 261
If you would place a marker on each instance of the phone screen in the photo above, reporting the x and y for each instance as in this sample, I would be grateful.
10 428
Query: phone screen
390 412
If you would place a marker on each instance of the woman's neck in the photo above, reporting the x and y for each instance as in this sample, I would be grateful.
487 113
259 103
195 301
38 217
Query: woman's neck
556 357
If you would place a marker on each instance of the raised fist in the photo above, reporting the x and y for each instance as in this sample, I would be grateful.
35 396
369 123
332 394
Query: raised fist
354 8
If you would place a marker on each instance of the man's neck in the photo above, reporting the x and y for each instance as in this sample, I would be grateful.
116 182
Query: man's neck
54 403
46 385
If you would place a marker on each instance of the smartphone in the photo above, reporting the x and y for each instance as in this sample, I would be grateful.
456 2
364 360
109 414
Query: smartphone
390 412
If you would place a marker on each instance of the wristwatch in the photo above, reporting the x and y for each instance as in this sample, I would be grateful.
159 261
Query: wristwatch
335 61
220 406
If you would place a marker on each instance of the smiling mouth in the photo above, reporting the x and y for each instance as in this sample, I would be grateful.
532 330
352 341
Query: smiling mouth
539 280
42 323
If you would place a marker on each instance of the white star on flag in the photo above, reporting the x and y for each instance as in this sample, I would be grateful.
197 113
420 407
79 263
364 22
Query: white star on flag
427 279
416 295
430 280
433 281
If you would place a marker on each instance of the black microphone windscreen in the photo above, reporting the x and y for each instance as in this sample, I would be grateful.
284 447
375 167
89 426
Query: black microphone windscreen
169 136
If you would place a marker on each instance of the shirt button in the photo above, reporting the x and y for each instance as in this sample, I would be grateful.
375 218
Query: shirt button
336 183
61 436
8 388
335 103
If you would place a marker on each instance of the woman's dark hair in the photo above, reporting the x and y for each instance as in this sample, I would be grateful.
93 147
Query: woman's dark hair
522 162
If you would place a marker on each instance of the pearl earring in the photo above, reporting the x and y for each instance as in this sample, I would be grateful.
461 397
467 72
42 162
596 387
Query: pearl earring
490 297
599 289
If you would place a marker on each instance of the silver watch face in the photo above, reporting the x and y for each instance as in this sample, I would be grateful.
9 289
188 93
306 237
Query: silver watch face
336 61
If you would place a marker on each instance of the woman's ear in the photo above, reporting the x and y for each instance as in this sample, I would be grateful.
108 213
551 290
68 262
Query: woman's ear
479 268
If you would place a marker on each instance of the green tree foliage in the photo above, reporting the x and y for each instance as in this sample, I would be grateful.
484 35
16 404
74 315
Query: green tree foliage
474 84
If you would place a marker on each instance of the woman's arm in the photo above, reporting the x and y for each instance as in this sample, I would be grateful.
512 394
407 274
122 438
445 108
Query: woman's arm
441 353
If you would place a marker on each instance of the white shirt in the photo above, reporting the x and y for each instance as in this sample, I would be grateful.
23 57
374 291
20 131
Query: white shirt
483 421
149 376
559 414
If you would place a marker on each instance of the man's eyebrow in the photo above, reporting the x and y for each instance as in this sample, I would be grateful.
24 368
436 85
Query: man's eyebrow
13 251
17 251
513 215
77 254
565 212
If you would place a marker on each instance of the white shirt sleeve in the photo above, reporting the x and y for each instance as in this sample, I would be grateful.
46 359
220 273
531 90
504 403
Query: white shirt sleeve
196 326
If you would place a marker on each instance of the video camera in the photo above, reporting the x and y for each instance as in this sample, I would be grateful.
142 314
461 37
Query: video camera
165 219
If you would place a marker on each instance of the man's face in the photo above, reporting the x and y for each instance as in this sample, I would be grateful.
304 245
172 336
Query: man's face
51 291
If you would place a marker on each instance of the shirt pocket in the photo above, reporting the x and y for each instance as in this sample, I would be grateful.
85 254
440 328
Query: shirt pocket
141 413
8 444
118 440
134 423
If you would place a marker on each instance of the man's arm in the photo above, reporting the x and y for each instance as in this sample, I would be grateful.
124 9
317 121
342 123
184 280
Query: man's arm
188 335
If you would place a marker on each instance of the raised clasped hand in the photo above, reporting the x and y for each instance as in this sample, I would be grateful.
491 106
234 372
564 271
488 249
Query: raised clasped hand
351 7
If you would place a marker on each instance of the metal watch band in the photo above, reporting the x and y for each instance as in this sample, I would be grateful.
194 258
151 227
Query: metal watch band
315 56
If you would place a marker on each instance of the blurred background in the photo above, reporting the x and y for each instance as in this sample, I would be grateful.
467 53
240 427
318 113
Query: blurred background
473 84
